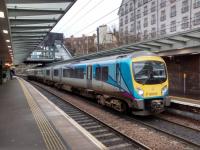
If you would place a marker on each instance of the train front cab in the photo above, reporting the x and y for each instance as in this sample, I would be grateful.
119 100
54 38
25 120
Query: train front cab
150 82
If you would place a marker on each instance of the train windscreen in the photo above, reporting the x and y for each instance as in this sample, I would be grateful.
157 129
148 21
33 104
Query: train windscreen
149 72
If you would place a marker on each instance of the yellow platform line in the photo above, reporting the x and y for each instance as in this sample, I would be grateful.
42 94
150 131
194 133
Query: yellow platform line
50 137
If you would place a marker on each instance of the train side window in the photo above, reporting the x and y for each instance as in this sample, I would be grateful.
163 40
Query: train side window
71 73
104 73
79 73
66 73
74 73
48 72
98 73
55 72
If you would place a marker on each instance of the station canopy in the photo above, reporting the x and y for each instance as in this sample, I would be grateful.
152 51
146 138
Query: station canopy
30 21
182 43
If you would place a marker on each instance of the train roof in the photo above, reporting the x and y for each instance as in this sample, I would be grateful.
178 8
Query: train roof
100 56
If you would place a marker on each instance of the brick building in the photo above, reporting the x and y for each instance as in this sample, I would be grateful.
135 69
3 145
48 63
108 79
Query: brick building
81 45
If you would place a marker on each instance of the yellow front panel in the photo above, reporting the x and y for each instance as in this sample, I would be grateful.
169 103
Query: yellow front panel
151 90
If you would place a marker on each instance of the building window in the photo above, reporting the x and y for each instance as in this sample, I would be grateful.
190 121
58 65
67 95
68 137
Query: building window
145 22
163 15
131 7
145 1
173 11
145 34
163 29
126 30
196 3
173 26
172 1
132 17
197 18
138 14
139 3
163 3
132 27
185 23
139 25
126 20
145 10
122 31
138 36
185 6
153 6
126 8
153 19
121 22
122 11
55 72
153 32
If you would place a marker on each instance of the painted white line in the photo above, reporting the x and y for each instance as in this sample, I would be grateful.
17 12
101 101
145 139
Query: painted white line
185 103
74 123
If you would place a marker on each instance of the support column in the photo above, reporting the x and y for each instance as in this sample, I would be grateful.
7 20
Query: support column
1 72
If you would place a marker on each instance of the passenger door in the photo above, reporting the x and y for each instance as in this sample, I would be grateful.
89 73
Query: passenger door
89 76
118 75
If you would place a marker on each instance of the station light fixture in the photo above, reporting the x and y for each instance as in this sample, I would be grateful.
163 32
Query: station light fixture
5 31
7 41
2 14
7 64
195 53
9 46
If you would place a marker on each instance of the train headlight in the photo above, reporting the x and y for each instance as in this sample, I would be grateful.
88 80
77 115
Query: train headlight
164 90
140 92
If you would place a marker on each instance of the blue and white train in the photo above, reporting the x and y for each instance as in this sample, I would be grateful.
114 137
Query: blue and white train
136 82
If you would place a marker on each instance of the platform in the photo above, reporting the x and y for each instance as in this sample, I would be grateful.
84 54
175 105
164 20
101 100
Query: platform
30 121
185 101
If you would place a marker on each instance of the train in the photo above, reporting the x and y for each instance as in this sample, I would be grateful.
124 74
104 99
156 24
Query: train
135 82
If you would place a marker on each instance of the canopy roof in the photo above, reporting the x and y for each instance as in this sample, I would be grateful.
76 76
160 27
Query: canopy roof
31 20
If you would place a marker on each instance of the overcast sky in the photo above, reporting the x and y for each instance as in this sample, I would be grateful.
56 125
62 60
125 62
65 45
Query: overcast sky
86 15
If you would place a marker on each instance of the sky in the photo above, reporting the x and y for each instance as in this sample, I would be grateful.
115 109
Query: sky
86 15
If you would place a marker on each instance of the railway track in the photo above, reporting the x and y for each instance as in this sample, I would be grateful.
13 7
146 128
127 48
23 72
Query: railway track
184 133
180 124
177 131
107 135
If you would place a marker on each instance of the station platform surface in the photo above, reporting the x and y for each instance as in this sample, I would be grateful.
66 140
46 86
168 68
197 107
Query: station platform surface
28 120
185 101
